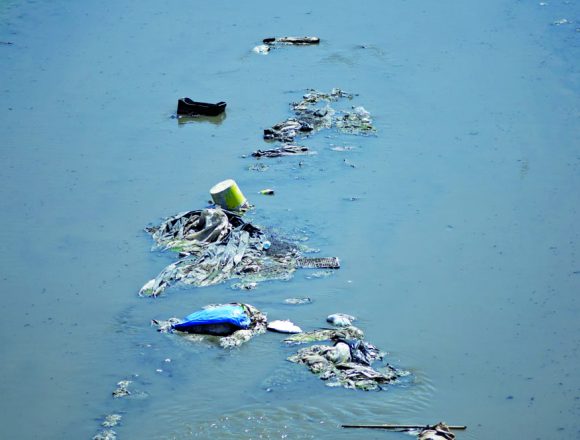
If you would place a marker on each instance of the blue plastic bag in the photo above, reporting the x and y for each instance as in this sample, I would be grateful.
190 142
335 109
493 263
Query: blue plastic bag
227 314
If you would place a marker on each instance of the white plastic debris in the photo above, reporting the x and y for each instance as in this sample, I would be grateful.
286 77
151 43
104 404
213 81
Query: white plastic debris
340 319
284 326
262 49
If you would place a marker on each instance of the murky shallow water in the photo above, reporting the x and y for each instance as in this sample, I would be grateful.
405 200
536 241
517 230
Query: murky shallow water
460 256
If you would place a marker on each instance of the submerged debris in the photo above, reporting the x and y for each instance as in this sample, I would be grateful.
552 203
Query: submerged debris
216 245
122 389
561 22
111 420
319 274
244 286
326 334
106 434
227 336
358 121
318 263
261 167
298 301
340 319
284 150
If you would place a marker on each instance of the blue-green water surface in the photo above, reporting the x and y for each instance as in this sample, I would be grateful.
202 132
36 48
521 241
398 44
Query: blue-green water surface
458 228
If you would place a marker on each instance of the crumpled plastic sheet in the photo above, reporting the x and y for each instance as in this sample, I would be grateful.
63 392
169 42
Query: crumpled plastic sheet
310 116
258 325
214 246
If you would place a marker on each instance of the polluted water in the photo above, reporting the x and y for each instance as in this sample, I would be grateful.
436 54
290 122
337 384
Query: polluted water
456 232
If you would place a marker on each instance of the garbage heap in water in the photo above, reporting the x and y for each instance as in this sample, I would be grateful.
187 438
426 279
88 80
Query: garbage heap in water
215 245
346 363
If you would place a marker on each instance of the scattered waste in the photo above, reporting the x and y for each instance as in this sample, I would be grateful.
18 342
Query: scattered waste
244 286
261 167
346 363
348 163
561 22
340 319
326 334
250 322
216 245
267 192
228 195
318 263
319 274
358 121
300 41
361 352
106 434
342 148
287 130
111 420
122 389
298 301
339 367
310 116
186 106
284 150
262 49
284 326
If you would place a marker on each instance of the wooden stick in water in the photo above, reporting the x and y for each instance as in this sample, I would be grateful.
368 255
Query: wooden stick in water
386 426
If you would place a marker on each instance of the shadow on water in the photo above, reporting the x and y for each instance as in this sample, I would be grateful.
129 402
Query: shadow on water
215 120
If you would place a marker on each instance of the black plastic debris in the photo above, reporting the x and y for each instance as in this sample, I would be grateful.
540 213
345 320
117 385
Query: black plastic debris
187 106
286 131
298 41
284 150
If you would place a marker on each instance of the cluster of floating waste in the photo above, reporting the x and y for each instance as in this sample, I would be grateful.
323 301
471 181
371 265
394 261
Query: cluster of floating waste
215 244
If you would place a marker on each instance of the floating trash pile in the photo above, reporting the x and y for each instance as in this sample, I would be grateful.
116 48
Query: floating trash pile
215 245
346 363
